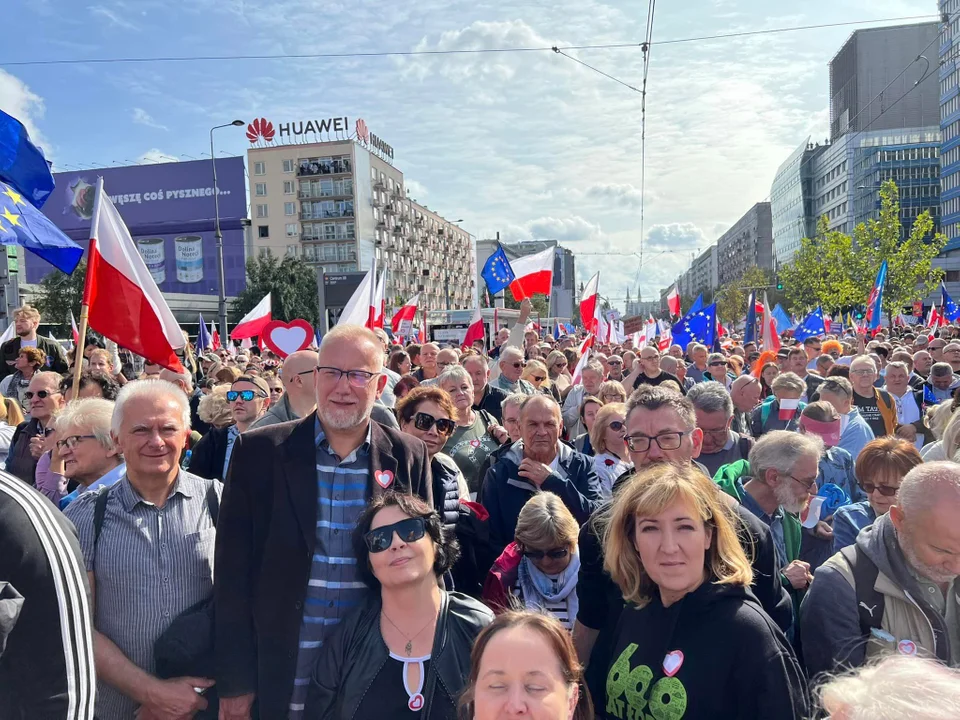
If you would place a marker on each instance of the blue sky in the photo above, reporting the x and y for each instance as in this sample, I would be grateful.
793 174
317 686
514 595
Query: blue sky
528 144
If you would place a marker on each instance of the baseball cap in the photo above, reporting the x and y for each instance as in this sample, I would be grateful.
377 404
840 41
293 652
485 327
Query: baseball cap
259 382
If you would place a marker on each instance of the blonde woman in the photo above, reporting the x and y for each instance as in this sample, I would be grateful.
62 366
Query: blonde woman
608 440
559 371
214 408
612 391
692 641
535 373
8 423
948 444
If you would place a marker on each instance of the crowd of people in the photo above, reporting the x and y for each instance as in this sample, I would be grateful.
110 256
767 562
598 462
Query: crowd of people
375 530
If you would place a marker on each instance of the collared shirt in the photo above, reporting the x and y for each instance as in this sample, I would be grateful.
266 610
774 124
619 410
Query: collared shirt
233 432
108 478
774 522
150 565
520 386
334 587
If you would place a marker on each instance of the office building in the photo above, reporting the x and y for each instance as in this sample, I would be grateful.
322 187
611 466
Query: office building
747 244
702 277
791 203
563 295
949 76
340 203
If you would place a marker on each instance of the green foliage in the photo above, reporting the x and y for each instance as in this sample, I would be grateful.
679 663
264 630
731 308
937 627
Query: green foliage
732 297
541 304
59 293
292 282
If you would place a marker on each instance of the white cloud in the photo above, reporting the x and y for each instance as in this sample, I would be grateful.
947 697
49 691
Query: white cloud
623 194
112 17
142 117
415 189
21 102
565 230
153 155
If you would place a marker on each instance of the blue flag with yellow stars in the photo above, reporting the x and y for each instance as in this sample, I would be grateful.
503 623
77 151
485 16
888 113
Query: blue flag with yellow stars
22 224
698 325
22 164
949 308
811 326
497 273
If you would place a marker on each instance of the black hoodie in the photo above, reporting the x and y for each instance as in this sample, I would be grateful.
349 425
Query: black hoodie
713 655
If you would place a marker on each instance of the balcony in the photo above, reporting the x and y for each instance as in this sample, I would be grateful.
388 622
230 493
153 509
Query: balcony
333 167
326 214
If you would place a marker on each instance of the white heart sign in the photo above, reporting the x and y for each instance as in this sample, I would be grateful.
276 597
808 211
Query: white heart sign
672 662
288 339
384 478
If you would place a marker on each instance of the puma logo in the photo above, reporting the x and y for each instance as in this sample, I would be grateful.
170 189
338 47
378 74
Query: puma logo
868 608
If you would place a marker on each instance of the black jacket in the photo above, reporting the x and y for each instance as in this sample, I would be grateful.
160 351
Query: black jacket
208 455
56 358
20 461
355 653
446 491
266 537
491 402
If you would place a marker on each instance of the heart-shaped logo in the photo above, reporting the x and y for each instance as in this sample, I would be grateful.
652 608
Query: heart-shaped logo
475 443
384 478
286 338
672 662
416 702
907 647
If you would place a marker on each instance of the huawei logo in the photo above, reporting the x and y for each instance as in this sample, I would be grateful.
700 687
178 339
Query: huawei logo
260 129
363 132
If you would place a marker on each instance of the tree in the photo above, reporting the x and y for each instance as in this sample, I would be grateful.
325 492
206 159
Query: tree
541 304
732 297
59 293
292 282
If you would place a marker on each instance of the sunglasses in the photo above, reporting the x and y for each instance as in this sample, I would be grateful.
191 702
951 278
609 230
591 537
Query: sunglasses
554 554
718 364
276 391
424 421
516 365
247 395
42 394
538 378
885 490
611 361
409 531
616 425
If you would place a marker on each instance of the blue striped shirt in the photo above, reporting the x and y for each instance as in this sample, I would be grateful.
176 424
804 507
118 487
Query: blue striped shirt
334 587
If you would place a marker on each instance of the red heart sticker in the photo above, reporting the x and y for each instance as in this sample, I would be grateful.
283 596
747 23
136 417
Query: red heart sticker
907 647
384 479
672 662
416 702
475 443
287 338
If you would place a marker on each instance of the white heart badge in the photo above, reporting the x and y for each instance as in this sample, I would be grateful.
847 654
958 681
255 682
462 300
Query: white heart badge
907 647
672 662
384 478
416 703
475 443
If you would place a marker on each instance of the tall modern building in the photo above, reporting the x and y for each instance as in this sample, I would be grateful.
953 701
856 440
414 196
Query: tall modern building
791 203
949 76
748 243
339 203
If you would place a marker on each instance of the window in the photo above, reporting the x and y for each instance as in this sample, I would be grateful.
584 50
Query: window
288 187
291 229
259 168
288 166
261 190
263 231
289 208
261 211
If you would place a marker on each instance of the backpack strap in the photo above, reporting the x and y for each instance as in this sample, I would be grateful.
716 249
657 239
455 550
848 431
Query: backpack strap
870 603
213 502
99 513
745 445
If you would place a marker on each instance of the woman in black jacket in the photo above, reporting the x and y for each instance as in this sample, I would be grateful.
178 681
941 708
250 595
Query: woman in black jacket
407 648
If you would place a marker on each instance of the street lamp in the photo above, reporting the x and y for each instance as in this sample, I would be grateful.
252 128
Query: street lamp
222 306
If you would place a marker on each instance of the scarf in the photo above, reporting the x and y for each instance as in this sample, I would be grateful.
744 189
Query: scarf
538 588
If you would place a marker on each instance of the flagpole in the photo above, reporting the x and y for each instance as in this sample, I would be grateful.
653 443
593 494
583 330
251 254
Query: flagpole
373 288
85 306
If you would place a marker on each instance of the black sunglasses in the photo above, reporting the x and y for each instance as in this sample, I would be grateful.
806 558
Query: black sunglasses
617 425
424 421
409 531
885 490
42 394
554 554
538 378
718 364
247 395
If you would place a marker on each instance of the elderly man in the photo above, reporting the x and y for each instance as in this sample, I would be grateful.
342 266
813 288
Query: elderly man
29 440
717 367
89 453
678 368
485 396
448 357
648 370
782 411
298 398
590 381
745 393
855 432
538 462
428 362
922 362
909 404
285 567
775 483
895 590
147 542
697 369
248 396
714 410
941 384
876 407
511 368
936 347
26 320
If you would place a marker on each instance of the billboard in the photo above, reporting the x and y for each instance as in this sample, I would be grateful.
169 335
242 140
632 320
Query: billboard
169 209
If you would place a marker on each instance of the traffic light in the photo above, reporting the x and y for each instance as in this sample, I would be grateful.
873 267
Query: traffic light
779 285
859 315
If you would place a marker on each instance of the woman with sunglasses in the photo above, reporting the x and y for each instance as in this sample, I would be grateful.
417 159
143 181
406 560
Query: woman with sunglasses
539 569
557 368
608 440
535 372
405 652
612 391
881 467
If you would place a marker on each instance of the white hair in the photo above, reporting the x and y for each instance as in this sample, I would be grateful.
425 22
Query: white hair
711 397
92 414
455 373
896 687
511 351
780 450
926 484
513 399
150 389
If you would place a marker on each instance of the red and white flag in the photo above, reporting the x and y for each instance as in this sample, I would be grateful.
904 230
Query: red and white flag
402 322
124 302
588 303
254 321
673 301
73 328
214 337
379 308
788 409
666 336
475 330
771 338
586 344
363 307
581 364
534 274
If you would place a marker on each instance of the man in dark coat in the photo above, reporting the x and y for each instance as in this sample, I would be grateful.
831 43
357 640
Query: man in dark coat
27 320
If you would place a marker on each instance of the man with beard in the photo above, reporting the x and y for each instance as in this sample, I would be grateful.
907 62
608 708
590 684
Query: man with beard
286 571
26 320
895 590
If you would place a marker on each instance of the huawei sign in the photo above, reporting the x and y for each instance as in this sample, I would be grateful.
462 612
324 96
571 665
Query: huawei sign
363 133
260 129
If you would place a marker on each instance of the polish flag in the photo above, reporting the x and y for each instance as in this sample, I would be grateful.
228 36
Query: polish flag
588 303
586 344
360 309
534 274
255 320
73 327
666 336
771 338
214 337
581 364
123 300
826 322
475 331
402 322
673 301
379 308
788 408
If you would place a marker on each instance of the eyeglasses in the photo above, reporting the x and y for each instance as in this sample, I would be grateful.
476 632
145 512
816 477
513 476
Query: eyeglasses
42 394
424 421
409 531
538 378
71 442
516 365
614 361
885 490
807 484
864 371
554 554
650 357
718 364
445 364
276 391
246 395
560 364
665 441
616 425
357 378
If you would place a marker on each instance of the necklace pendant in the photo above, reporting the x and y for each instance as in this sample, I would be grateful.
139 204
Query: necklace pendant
409 647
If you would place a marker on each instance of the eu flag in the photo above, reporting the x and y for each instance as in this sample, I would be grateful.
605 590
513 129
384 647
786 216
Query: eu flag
23 224
949 308
204 341
697 326
750 329
22 164
812 325
697 304
497 273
